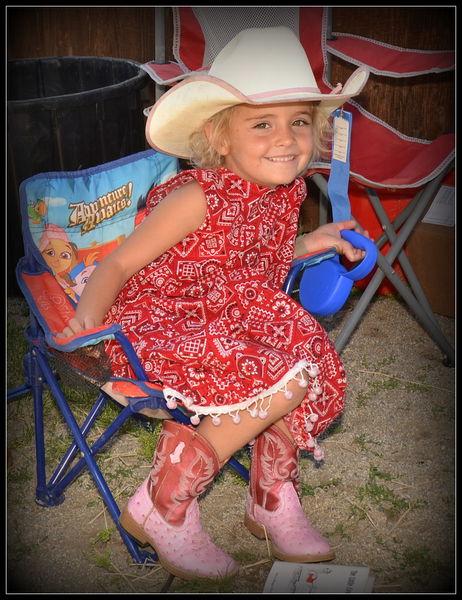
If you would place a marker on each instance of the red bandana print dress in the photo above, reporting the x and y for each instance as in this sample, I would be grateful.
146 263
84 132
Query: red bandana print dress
209 321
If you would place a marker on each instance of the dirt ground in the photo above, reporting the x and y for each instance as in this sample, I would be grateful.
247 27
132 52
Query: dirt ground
384 495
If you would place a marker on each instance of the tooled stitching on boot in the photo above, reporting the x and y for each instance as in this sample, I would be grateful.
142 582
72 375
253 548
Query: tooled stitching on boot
194 479
187 477
159 458
175 456
275 462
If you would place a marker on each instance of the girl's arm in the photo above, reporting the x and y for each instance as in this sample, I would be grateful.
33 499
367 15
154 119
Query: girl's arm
328 236
174 218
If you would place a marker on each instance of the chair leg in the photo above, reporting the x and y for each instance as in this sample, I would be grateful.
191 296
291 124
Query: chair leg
416 299
426 322
39 373
239 468
397 242
43 372
18 391
62 477
35 377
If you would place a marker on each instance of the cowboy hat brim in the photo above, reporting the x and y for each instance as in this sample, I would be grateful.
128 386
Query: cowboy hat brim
185 108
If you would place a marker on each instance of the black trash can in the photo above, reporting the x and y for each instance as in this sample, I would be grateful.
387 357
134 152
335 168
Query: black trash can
68 113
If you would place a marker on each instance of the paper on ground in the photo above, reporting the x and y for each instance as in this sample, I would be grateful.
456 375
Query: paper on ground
318 578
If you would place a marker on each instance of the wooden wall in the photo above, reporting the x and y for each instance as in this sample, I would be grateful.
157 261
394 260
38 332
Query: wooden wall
117 32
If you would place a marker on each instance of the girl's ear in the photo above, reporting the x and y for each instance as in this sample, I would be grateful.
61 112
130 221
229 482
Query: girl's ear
219 143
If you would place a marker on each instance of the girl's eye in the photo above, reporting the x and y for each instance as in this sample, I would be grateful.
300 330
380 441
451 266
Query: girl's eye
261 125
301 122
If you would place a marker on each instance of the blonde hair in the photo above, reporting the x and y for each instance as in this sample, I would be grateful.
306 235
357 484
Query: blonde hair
204 155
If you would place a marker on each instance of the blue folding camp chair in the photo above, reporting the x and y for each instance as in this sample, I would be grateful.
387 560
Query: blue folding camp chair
88 213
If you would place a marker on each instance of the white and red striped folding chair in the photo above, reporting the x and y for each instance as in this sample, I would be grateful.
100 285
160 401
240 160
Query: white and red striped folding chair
383 161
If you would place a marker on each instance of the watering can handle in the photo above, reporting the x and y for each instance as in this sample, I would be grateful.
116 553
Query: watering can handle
363 268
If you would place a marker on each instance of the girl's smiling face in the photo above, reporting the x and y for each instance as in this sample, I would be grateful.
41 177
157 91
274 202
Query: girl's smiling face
269 144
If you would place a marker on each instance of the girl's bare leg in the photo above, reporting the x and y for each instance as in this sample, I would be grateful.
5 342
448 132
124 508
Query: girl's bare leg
228 437
281 424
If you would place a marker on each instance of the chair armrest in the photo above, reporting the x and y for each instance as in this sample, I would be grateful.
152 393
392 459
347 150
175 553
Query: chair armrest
167 73
89 337
387 60
52 308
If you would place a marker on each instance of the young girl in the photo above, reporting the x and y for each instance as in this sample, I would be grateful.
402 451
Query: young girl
196 288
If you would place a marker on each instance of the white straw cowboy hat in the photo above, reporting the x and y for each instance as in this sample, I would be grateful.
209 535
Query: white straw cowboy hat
258 66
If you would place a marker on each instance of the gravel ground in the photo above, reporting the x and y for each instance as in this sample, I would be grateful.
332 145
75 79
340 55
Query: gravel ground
384 495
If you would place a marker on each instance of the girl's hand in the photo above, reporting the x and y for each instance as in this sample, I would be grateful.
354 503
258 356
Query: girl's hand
328 236
77 325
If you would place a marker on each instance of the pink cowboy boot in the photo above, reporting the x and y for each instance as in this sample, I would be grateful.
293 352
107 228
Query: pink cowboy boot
164 511
273 506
